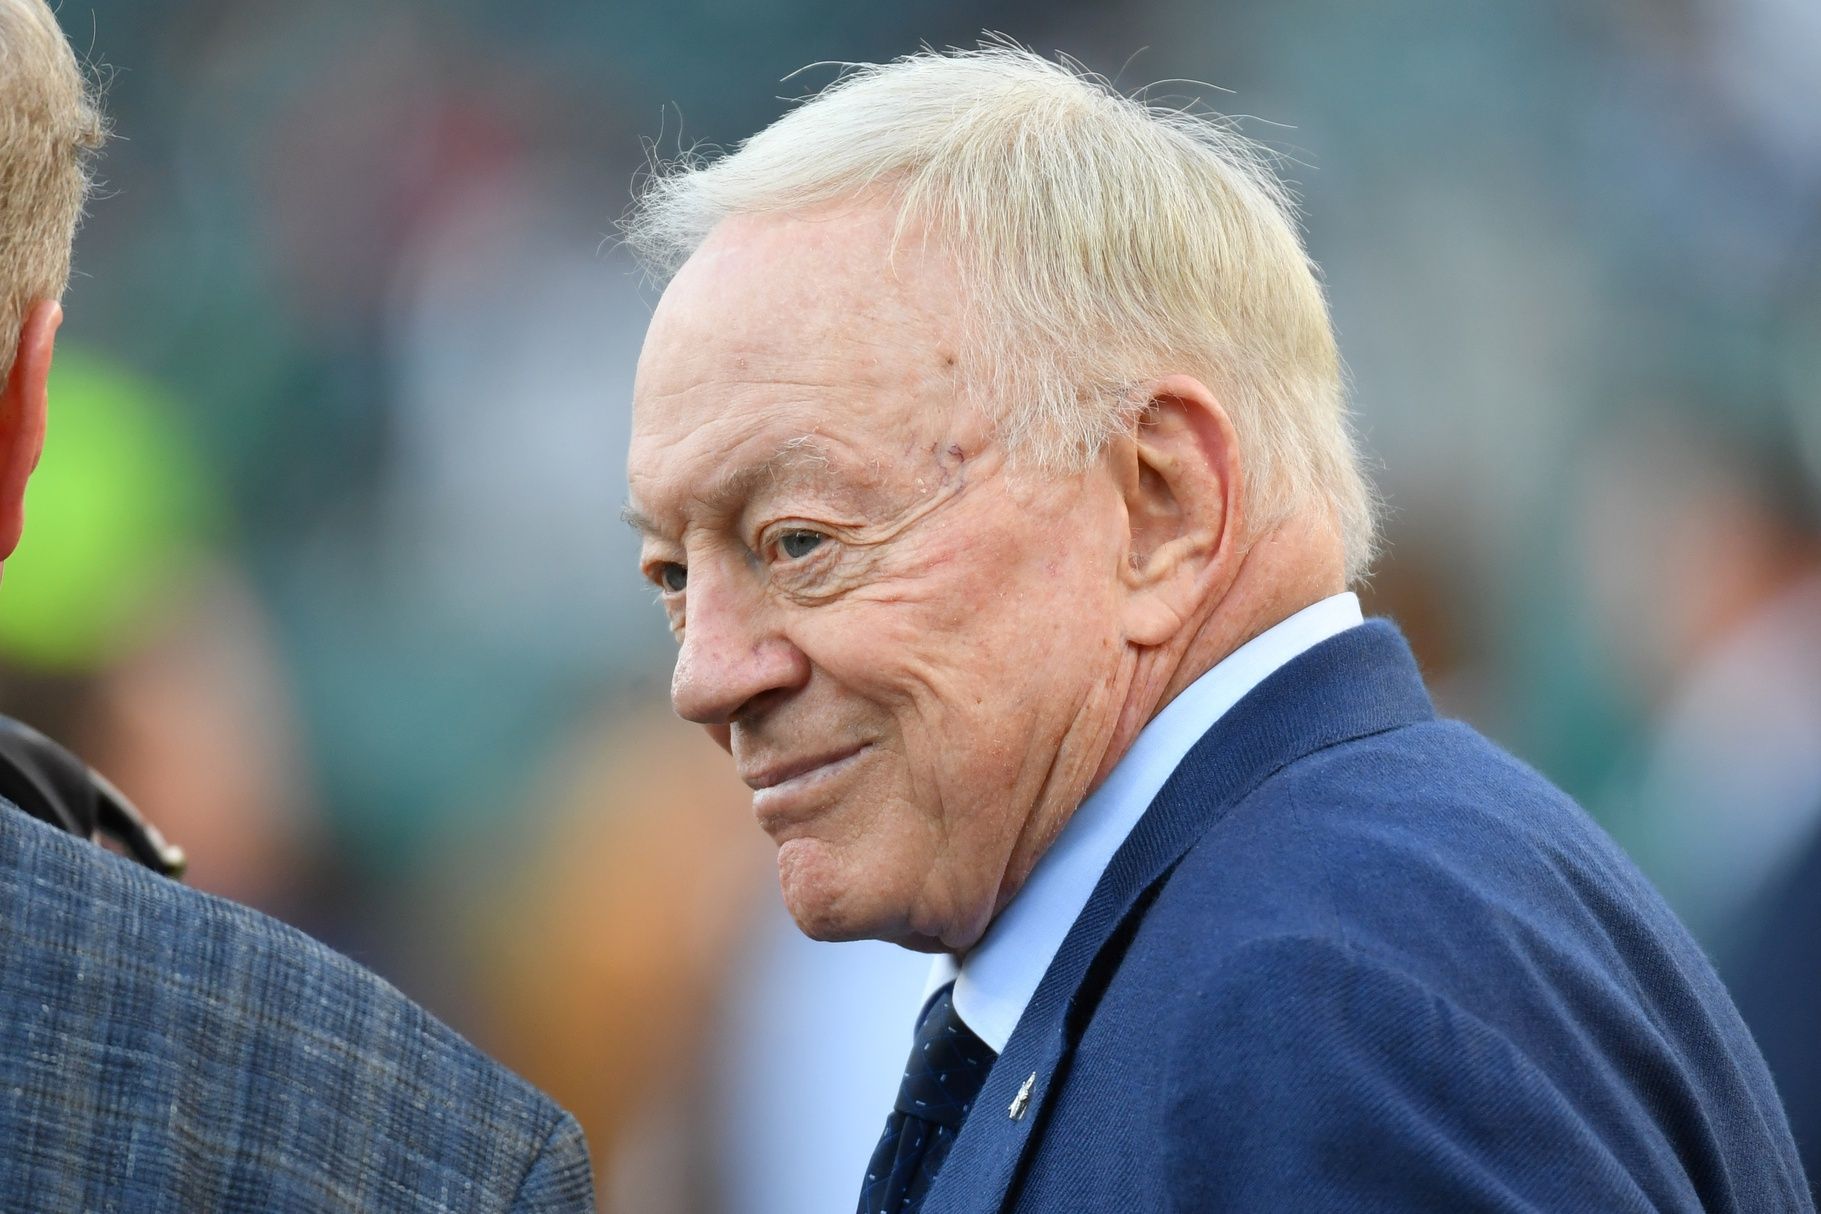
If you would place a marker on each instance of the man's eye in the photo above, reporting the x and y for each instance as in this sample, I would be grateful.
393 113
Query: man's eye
673 577
799 544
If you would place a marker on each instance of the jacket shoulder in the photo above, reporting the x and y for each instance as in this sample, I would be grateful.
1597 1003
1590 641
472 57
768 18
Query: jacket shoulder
165 1049
1417 932
1351 839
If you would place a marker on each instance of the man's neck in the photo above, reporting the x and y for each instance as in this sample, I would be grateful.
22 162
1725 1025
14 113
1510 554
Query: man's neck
1277 575
999 973
1276 578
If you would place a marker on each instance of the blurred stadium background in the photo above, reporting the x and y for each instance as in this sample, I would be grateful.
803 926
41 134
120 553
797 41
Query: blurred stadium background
323 566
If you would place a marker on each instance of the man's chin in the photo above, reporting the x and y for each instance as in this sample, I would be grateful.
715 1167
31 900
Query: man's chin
833 899
829 899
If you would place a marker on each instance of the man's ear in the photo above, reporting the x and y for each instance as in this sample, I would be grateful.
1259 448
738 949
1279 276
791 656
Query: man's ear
23 403
1181 479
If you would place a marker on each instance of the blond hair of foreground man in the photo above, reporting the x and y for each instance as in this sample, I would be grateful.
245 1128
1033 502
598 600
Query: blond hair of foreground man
160 1049
992 470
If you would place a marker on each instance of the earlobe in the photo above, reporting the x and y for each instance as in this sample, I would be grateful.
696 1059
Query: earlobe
24 402
1181 478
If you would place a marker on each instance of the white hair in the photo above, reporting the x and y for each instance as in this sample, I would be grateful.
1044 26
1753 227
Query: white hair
49 123
1103 241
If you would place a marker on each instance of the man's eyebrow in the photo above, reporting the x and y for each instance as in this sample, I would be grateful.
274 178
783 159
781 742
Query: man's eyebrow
736 484
632 517
804 451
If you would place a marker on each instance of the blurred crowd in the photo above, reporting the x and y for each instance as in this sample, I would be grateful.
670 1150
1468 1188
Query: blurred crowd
334 588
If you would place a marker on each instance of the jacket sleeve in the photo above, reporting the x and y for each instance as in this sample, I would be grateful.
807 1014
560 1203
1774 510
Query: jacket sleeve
1303 1076
559 1180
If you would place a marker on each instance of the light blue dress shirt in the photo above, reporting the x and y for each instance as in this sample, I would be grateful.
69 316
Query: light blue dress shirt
996 980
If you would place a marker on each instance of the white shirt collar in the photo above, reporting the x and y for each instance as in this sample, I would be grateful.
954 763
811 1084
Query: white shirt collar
996 981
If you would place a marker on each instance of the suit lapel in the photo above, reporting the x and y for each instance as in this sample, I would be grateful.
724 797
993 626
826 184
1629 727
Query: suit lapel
1361 682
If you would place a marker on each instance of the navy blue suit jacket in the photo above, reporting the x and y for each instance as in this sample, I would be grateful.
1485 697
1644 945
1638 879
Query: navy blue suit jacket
165 1051
1356 958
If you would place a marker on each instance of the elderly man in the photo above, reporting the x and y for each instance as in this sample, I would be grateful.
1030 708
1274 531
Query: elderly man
162 1050
992 466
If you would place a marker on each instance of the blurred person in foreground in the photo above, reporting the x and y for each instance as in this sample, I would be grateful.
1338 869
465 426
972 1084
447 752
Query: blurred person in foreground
992 465
161 1049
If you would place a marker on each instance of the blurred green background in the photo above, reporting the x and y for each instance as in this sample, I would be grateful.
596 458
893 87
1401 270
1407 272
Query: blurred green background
323 565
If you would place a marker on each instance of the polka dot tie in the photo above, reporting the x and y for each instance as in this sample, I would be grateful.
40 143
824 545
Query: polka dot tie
947 1066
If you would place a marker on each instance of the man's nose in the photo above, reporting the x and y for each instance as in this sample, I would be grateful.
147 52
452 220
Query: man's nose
732 656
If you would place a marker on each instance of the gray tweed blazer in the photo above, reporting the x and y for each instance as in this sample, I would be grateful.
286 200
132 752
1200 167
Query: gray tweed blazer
164 1050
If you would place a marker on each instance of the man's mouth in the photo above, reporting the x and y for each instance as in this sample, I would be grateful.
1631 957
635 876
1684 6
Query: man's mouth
779 774
786 795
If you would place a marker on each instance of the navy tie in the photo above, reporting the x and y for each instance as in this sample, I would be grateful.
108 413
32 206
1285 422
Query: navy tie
947 1066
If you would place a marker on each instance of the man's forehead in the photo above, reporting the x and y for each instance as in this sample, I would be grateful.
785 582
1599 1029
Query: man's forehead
714 358
857 235
789 349
757 272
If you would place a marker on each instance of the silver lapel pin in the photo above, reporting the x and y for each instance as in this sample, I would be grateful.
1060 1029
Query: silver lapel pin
1022 1100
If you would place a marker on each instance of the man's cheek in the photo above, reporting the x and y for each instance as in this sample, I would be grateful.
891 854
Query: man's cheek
905 576
873 646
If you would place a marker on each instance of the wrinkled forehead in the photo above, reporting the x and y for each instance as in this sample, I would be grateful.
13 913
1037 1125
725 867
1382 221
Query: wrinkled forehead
805 286
806 324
